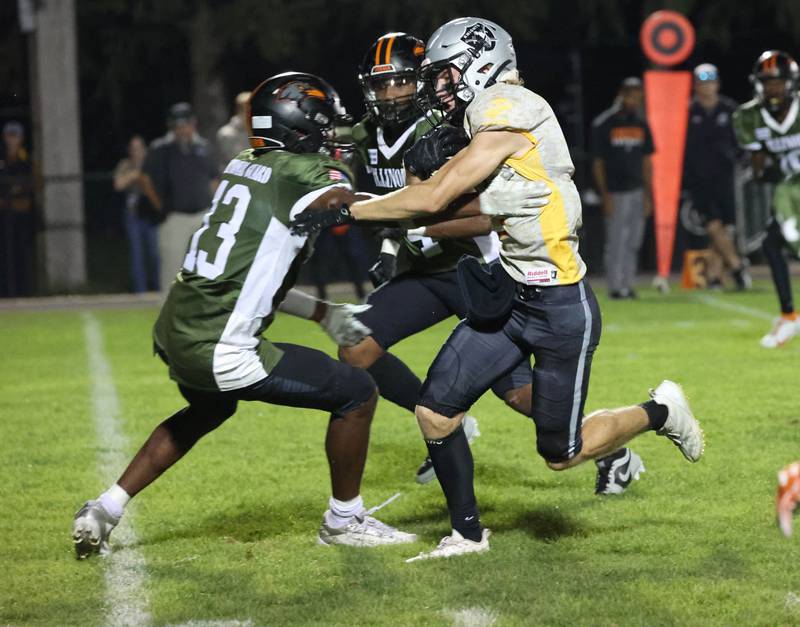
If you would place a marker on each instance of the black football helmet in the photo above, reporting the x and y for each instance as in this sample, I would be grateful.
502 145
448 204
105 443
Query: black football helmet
392 60
297 112
770 65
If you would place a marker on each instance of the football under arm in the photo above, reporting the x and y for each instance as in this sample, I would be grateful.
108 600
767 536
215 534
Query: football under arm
336 197
460 175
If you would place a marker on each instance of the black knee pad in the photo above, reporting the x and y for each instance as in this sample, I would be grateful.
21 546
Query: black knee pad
552 446
355 386
553 402
191 423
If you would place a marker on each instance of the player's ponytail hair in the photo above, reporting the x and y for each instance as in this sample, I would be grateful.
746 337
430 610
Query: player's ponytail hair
511 77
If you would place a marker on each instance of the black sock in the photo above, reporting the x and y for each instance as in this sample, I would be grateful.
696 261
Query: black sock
773 250
656 414
452 460
396 382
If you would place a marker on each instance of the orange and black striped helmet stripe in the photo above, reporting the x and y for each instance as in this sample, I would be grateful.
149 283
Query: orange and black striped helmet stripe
389 50
389 41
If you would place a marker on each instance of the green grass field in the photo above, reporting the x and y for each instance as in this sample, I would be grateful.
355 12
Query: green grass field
228 535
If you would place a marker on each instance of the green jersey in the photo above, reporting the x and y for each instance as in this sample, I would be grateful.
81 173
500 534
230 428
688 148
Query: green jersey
238 267
757 130
380 170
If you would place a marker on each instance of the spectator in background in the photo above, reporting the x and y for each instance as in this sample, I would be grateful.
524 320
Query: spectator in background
179 175
17 219
711 151
233 137
622 147
140 227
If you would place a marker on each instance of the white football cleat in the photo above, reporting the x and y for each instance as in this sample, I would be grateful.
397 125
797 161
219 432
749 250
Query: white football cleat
453 545
425 472
363 530
681 426
91 528
615 475
782 331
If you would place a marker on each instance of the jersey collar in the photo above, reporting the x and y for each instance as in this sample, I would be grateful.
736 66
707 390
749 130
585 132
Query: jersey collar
390 151
791 116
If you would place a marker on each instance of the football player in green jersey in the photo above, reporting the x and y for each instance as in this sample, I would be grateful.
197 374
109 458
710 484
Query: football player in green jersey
768 126
238 267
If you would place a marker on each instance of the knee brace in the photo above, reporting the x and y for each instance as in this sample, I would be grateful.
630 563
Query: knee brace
191 423
356 387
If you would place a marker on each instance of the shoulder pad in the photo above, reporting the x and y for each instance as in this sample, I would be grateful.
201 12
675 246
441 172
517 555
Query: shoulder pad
361 130
505 107
315 170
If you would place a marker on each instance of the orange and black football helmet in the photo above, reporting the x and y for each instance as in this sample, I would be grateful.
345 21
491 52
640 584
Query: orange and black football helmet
392 61
775 64
297 112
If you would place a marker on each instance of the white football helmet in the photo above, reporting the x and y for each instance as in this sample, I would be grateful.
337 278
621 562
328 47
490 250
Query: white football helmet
480 50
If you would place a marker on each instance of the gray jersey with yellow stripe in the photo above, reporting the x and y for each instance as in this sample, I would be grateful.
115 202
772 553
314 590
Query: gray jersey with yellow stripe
540 249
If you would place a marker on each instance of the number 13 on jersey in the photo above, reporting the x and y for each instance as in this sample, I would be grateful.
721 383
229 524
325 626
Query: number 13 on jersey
197 258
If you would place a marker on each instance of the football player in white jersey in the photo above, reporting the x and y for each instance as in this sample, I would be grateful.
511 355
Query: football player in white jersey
534 302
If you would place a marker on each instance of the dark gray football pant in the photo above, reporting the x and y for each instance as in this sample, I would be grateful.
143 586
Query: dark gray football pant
560 327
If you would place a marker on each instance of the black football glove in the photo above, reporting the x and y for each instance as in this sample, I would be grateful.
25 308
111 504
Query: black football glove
384 269
312 220
433 149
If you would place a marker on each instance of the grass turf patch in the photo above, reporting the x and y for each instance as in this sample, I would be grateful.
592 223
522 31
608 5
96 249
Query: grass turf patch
229 532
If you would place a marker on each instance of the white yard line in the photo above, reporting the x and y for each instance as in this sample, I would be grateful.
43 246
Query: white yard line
125 570
216 623
718 303
472 617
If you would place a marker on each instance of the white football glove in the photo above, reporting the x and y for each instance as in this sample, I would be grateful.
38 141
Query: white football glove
342 326
506 197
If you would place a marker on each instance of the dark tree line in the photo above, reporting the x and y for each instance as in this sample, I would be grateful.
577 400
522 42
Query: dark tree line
139 56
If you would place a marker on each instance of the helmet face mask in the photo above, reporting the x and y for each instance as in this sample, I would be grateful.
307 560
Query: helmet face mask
297 112
477 51
390 97
388 78
439 87
775 80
